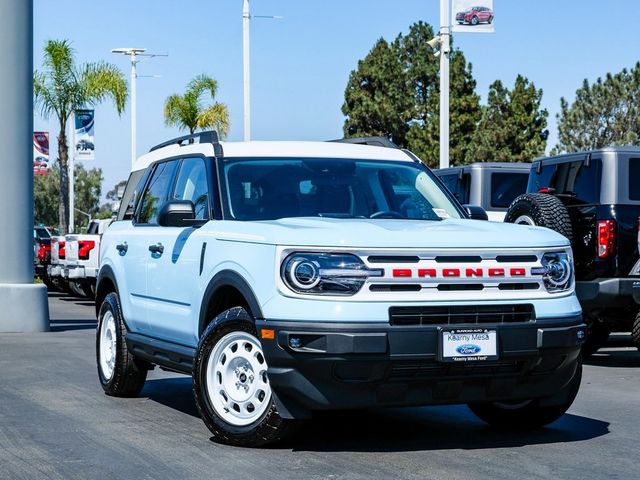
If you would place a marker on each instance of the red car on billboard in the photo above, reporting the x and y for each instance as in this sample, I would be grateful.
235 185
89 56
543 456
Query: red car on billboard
475 15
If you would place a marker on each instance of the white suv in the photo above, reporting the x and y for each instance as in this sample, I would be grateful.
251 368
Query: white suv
288 277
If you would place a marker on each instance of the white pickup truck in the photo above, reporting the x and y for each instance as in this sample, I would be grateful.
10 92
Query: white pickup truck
82 257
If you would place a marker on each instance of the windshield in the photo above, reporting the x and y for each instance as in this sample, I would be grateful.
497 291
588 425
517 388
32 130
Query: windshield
268 189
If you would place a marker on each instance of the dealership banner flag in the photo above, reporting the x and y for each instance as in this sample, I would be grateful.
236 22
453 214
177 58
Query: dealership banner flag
472 16
40 153
84 135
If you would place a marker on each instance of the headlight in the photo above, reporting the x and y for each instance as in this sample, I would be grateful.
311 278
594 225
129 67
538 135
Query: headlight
556 271
326 273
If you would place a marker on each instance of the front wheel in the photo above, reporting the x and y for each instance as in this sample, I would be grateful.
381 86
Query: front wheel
121 375
474 21
528 414
230 384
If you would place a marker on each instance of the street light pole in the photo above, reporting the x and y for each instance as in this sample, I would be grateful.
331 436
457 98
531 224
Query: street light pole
445 32
134 53
246 18
246 64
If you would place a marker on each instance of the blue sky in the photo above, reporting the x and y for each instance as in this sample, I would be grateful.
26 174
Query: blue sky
300 64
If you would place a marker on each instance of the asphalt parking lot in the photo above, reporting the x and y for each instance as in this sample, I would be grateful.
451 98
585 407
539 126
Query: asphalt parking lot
56 423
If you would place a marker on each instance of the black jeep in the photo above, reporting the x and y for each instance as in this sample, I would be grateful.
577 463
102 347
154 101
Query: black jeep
593 198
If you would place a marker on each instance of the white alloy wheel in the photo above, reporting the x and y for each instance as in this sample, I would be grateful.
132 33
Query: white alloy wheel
108 347
524 220
237 383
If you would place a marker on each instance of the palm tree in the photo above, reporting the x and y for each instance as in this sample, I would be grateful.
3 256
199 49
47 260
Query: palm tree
187 112
62 87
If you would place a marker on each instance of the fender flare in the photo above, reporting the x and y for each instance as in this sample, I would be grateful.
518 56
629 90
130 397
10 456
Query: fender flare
228 278
105 273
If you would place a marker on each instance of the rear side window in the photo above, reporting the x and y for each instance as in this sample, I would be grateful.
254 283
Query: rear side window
451 182
156 193
634 179
459 187
505 187
579 181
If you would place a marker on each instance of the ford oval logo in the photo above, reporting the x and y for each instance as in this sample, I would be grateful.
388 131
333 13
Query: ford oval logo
468 349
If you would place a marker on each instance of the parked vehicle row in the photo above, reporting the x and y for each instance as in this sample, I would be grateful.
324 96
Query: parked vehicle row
74 260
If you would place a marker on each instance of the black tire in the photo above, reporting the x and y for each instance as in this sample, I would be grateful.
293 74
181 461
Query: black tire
635 331
527 415
269 427
129 373
474 20
597 336
490 20
542 210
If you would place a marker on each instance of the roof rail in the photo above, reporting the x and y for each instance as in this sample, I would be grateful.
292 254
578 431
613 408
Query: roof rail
209 136
373 141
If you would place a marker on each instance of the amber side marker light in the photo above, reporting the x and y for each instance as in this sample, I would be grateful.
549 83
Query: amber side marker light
267 334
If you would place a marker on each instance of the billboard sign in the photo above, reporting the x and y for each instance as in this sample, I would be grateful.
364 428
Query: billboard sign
40 153
84 146
475 16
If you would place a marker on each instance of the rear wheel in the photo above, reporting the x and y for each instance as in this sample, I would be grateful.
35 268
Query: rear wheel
490 20
120 373
528 414
541 210
231 387
635 331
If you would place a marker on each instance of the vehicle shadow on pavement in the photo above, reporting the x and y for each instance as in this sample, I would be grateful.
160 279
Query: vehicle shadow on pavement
62 325
396 429
618 352
431 428
615 358
172 392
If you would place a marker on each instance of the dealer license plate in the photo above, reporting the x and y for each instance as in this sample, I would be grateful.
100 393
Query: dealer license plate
468 345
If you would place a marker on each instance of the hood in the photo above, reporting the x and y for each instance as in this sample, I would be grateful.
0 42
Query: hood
387 233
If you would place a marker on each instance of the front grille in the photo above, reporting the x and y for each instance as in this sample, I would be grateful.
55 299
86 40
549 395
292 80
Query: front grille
459 314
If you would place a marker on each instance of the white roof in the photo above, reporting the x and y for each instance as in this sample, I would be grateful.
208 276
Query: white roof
277 149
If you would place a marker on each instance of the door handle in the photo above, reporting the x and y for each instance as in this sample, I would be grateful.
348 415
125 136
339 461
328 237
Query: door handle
122 248
157 249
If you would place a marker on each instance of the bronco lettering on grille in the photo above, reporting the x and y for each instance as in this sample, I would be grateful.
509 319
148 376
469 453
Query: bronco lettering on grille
458 272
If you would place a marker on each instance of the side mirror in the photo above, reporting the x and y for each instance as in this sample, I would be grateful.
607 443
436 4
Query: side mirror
179 213
476 212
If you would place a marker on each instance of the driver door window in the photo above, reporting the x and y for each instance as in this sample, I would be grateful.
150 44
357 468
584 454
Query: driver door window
192 185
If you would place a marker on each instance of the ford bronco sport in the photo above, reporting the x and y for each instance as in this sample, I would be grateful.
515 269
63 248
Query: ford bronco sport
289 277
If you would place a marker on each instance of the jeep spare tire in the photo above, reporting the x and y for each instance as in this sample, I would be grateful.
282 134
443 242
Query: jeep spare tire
541 210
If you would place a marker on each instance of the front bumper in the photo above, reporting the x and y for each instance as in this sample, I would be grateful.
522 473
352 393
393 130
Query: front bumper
54 270
335 366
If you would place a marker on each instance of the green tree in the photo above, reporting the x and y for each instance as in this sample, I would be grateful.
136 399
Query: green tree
113 200
377 102
46 194
87 185
513 127
62 87
395 92
604 113
187 111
